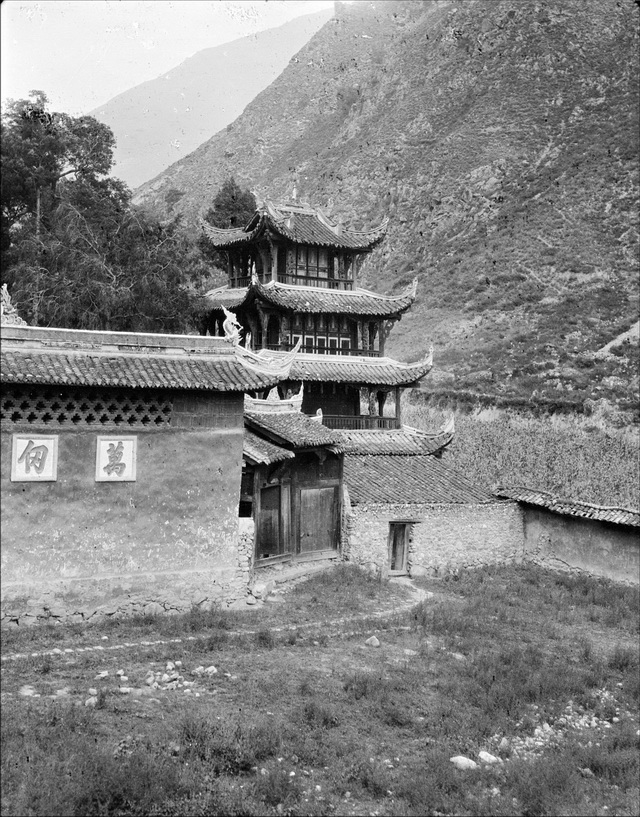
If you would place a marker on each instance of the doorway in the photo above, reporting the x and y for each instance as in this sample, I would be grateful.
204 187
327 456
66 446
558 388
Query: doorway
398 547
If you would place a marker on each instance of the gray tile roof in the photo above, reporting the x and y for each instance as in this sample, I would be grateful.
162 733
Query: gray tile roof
567 507
301 224
363 371
314 300
293 428
423 479
261 451
83 358
404 441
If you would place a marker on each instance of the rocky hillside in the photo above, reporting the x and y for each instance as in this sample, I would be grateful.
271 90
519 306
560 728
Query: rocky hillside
160 121
501 138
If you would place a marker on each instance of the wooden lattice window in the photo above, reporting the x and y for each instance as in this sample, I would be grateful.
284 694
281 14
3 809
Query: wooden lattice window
84 407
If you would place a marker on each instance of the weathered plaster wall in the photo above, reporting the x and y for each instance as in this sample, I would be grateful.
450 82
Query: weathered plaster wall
165 541
602 549
443 537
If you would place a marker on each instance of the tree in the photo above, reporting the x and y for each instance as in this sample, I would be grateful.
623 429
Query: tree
76 253
232 207
39 149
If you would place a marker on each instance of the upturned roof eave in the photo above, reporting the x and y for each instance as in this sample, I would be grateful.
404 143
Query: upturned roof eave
273 220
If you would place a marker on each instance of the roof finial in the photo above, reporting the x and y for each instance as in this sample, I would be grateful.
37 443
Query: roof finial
294 194
8 313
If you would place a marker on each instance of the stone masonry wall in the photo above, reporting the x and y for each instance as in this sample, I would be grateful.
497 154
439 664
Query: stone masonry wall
442 537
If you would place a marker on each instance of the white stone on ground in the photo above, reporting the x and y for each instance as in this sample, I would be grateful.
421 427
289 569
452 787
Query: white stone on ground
372 642
461 762
486 757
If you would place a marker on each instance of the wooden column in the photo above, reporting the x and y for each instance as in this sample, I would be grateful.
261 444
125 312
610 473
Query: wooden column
274 262
363 344
381 338
382 397
373 409
398 408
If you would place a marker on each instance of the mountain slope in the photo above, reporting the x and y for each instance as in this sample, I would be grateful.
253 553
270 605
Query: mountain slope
502 141
162 120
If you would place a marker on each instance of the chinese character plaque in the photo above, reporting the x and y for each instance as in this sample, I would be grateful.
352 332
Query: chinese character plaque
116 459
34 458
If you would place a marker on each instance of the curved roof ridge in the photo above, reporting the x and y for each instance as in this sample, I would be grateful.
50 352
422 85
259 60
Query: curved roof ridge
229 233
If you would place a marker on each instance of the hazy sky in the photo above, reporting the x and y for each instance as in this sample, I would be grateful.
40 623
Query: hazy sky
82 53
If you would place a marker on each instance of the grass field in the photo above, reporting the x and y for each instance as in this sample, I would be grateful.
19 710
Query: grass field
580 458
539 669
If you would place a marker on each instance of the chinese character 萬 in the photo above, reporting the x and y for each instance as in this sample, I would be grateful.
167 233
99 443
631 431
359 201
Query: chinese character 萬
34 455
115 465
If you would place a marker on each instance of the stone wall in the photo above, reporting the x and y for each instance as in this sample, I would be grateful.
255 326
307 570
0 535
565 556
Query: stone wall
76 548
442 537
597 548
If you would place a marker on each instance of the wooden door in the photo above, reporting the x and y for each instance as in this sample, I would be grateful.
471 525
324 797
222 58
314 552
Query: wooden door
269 524
398 547
318 519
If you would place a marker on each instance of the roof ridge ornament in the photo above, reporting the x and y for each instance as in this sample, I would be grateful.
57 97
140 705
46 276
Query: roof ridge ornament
231 327
8 313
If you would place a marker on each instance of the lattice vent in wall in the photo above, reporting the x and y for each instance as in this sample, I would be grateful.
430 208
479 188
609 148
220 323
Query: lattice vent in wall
84 408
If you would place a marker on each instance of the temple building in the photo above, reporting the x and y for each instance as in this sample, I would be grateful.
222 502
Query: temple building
292 279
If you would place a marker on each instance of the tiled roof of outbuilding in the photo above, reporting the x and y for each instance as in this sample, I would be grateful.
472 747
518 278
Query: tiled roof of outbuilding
46 356
301 224
294 428
424 480
303 299
403 441
567 507
261 451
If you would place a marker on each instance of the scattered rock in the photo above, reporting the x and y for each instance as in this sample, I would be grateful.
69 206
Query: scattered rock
92 701
211 670
410 652
174 748
372 642
486 757
587 772
27 691
120 672
124 690
92 691
102 674
461 762
251 600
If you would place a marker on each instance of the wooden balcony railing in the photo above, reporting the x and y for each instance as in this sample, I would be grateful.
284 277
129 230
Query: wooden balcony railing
318 282
324 350
358 422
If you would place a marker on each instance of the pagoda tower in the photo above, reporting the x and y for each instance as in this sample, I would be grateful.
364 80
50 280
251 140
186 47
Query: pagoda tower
292 278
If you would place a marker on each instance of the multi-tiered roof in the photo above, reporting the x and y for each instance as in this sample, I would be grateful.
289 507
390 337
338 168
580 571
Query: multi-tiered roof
292 279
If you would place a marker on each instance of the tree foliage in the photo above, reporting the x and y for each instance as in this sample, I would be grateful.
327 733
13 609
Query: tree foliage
232 207
76 253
